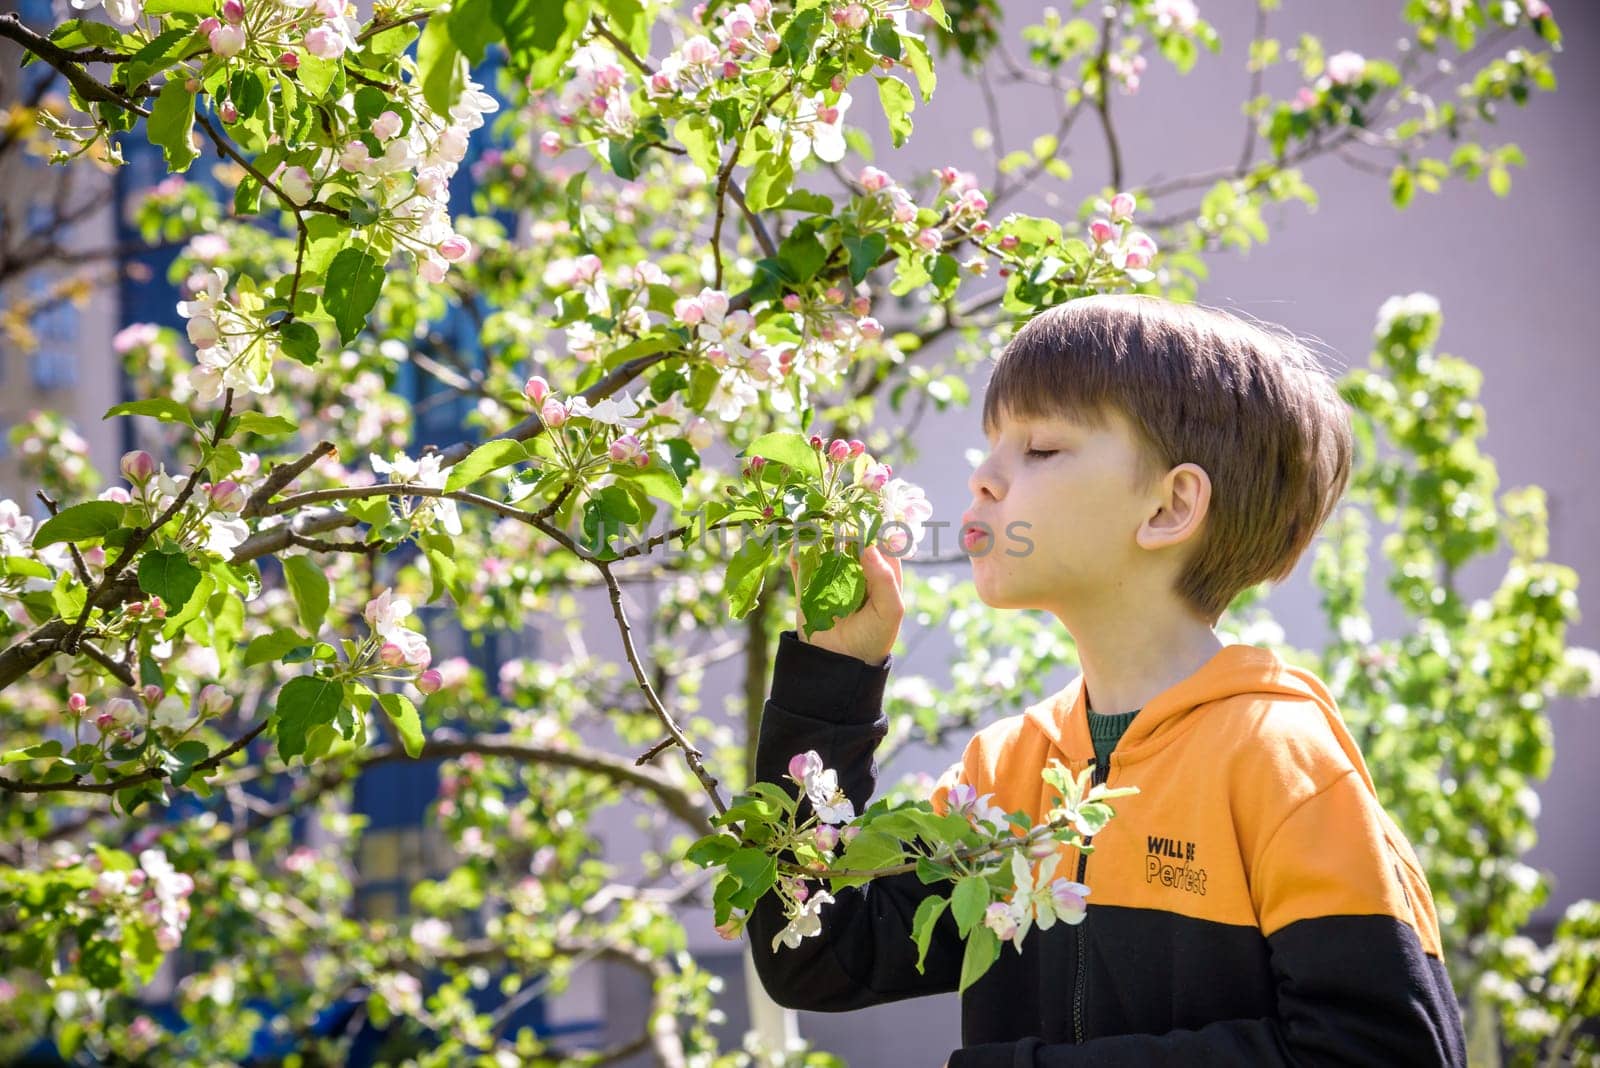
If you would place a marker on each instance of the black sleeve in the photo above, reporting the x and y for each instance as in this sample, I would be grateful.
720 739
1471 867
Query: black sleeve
1353 990
864 955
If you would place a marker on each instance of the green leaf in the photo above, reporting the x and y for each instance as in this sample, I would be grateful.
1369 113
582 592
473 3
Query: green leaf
659 481
304 703
406 721
746 571
355 278
712 849
969 901
756 872
170 576
792 450
694 133
171 123
177 7
188 611
43 751
165 409
884 40
836 588
922 925
441 65
316 75
895 96
80 522
268 426
983 949
865 251
299 341
871 851
472 28
269 647
770 176
309 587
161 52
802 254
490 456
920 64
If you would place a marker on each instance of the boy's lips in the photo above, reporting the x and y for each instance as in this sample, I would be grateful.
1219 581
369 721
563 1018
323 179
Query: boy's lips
973 531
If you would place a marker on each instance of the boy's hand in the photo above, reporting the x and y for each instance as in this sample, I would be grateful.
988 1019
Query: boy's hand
869 632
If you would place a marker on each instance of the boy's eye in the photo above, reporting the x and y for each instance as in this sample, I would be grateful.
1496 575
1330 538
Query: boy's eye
1039 454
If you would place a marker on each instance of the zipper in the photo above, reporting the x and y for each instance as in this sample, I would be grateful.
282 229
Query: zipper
1080 937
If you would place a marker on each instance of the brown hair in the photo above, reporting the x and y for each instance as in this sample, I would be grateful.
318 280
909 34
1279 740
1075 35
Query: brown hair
1248 403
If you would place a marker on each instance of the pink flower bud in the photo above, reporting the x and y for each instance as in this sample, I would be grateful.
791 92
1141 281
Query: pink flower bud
826 837
848 834
857 447
1009 242
772 42
152 694
869 328
550 143
226 41
192 85
861 305
921 5
157 609
77 703
137 466
1122 207
455 248
214 700
730 69
798 764
228 496
387 126
430 681
324 43
553 412
289 61
105 721
536 389
757 463
233 11
981 227
728 930
817 442
834 295
391 655
641 460
1100 232
689 310
873 180
134 609
838 451
828 116
228 113
928 240
206 26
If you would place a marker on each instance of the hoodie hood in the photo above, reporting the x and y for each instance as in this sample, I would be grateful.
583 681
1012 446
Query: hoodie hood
1234 671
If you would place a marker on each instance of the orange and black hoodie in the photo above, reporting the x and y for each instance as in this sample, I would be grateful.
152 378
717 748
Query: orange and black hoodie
1253 904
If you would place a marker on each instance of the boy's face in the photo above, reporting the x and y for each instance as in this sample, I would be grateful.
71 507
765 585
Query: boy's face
1062 514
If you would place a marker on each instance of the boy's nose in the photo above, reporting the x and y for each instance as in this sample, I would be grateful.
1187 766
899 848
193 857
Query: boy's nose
983 485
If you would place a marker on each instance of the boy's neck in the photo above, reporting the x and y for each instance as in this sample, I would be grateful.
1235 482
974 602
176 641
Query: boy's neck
1124 667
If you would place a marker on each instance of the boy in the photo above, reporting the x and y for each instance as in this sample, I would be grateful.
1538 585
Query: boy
1253 904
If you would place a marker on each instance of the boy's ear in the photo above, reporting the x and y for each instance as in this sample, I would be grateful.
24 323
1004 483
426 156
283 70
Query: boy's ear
1183 498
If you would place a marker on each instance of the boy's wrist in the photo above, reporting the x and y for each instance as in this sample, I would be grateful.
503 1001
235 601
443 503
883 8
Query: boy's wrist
812 681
